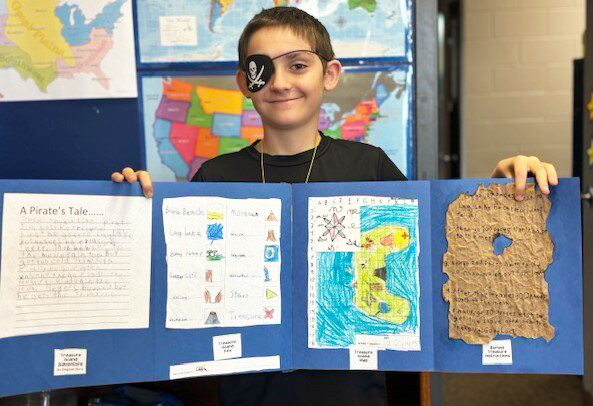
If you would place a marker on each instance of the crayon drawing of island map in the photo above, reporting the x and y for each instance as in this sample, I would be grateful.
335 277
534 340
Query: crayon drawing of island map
363 286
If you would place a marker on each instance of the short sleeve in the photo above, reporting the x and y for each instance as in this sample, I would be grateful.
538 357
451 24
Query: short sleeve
387 169
198 176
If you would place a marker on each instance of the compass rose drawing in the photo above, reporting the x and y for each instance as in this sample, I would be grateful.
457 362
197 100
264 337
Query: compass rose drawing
334 227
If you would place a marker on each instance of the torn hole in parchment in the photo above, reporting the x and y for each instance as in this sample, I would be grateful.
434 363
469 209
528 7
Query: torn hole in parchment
500 243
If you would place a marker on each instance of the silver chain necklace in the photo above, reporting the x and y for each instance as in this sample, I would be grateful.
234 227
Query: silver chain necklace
263 173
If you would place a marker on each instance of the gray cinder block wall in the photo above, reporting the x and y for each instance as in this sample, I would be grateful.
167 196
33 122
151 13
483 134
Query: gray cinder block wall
517 81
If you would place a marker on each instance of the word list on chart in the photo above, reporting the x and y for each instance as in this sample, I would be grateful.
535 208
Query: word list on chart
223 261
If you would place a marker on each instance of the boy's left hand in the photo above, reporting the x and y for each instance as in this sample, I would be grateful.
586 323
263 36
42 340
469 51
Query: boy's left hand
520 166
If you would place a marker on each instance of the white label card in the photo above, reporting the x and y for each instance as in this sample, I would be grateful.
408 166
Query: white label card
497 352
227 346
70 361
363 358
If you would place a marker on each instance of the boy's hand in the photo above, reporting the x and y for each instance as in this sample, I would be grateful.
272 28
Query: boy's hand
520 166
131 176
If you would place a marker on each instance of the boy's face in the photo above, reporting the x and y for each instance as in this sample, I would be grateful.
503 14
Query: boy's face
292 96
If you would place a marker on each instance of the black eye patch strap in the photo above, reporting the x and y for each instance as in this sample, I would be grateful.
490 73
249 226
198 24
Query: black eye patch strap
260 68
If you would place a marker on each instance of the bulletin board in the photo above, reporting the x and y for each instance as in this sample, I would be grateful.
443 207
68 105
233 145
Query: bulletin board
89 139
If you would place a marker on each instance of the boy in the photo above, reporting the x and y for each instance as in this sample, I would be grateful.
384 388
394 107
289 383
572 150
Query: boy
286 63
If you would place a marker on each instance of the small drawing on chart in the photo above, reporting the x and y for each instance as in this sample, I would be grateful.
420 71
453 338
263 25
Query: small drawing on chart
272 253
271 273
212 294
271 294
214 231
272 234
212 274
333 227
214 254
266 274
211 317
215 212
271 216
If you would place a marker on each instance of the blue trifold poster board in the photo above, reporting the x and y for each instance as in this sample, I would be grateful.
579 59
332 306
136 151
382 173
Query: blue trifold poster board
300 340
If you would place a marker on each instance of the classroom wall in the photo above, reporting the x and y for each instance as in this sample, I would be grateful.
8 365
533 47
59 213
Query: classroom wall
68 139
517 81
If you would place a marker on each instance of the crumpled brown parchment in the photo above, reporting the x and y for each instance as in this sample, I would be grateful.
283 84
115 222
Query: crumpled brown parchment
492 294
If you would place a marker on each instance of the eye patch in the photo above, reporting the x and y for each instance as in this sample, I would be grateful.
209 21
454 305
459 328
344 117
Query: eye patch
260 68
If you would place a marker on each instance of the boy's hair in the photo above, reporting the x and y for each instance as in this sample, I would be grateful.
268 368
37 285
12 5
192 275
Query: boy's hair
301 23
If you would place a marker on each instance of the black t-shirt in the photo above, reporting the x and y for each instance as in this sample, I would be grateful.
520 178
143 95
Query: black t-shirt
335 161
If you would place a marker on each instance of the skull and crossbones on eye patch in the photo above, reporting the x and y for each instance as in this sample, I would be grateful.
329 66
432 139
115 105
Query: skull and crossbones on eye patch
260 69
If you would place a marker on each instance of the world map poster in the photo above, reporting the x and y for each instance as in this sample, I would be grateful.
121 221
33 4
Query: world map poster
208 30
56 49
190 119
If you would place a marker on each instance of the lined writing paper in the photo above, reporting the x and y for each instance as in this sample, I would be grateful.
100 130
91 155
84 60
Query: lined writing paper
74 262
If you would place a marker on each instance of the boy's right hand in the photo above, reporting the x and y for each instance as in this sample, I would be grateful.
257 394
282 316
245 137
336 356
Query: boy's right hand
131 176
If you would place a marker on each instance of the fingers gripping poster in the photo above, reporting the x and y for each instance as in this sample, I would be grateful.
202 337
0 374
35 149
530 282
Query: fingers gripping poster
363 272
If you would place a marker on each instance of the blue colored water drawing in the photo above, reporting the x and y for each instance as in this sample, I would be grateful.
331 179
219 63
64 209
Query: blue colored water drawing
214 232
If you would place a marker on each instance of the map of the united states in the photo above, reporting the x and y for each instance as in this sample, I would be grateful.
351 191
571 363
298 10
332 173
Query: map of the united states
47 40
194 124
189 119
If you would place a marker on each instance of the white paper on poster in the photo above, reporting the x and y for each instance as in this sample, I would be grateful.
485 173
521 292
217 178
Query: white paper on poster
227 366
399 342
178 31
223 261
74 262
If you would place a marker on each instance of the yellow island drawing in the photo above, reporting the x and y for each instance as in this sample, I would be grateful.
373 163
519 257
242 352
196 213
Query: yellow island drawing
370 274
